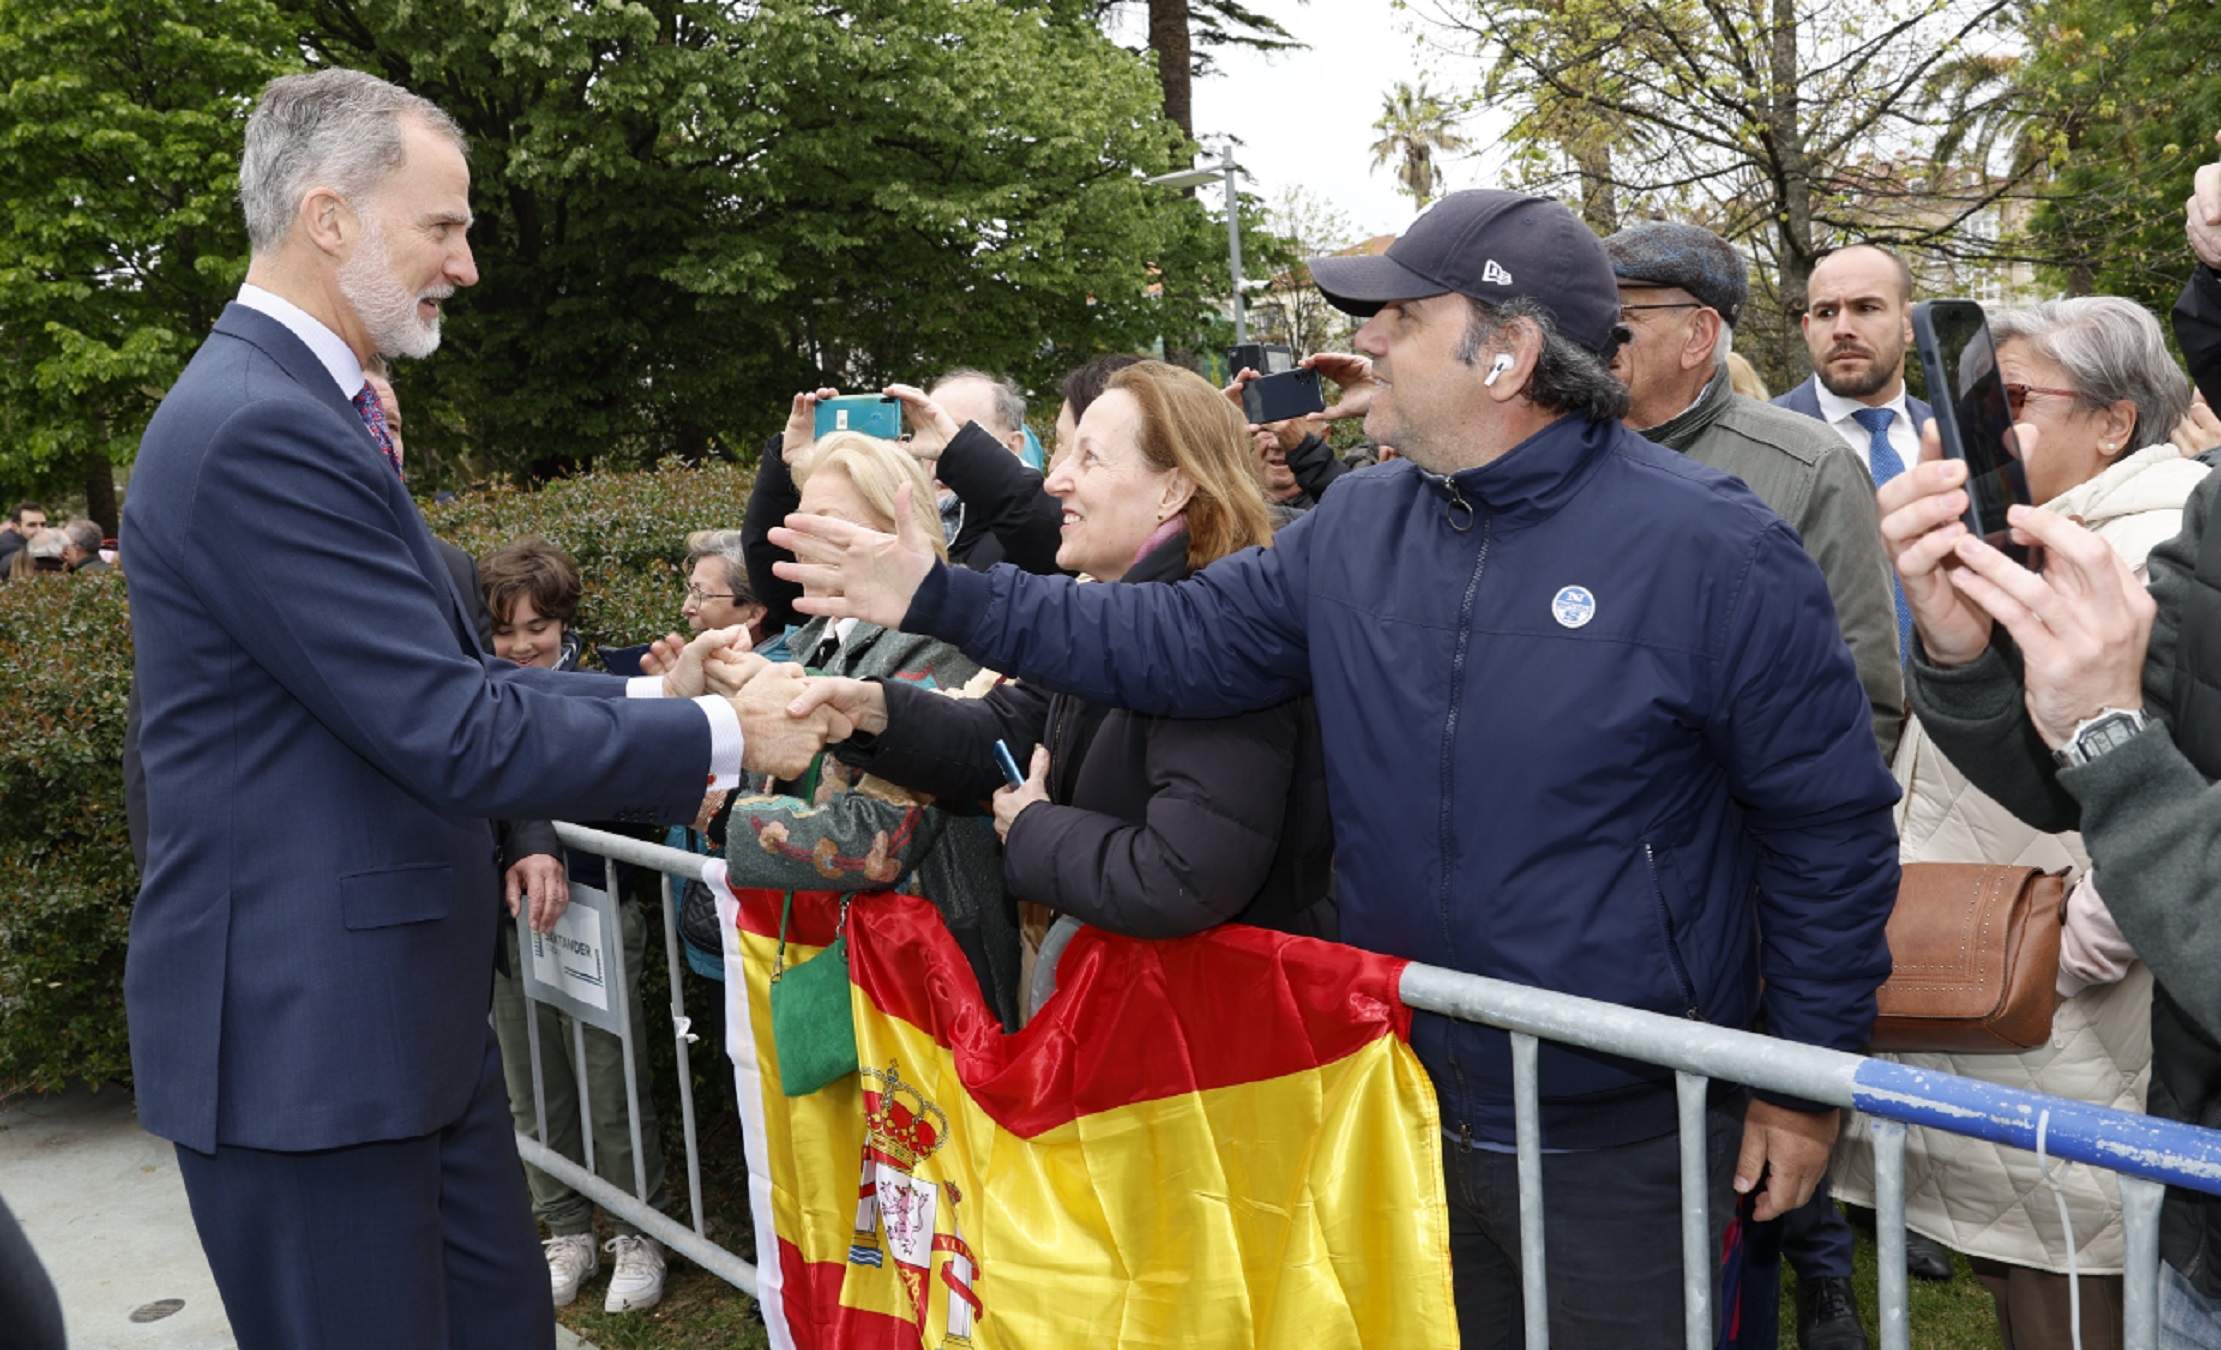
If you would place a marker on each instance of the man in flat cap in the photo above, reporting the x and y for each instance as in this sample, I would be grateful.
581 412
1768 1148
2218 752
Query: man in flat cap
1588 726
1681 290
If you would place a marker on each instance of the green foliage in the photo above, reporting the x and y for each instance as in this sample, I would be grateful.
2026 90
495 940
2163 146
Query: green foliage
1414 127
2129 97
120 125
626 531
65 669
687 209
65 672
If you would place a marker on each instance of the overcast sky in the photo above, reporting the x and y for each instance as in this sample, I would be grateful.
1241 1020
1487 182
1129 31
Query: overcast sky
1306 118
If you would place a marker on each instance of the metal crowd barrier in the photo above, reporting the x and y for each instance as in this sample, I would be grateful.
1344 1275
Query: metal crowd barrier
2146 1153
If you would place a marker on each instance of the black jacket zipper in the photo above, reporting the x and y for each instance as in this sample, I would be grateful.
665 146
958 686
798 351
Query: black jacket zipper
1448 840
1665 933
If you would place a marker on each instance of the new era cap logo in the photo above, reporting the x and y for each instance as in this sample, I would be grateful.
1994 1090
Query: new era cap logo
1495 275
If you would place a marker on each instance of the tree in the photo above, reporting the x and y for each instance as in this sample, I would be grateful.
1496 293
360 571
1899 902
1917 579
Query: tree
1303 225
1414 127
1183 34
121 121
2124 103
686 209
1789 126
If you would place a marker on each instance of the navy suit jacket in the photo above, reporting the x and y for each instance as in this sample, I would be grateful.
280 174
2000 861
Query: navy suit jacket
323 740
1805 398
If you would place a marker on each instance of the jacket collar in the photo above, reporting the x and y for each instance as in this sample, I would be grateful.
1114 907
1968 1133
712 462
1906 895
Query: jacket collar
1680 431
1532 480
1168 561
276 341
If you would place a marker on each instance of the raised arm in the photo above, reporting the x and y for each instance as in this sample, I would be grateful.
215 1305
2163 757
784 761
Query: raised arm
932 743
772 499
304 561
1002 497
1228 640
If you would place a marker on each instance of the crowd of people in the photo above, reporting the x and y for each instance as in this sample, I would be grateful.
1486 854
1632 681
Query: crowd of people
1598 671
29 545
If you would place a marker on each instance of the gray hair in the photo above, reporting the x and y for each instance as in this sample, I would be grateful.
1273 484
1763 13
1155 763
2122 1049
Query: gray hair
1010 405
725 545
1568 377
340 129
84 534
2111 349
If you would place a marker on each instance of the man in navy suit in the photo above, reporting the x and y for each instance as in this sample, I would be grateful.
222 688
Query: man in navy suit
323 738
1858 327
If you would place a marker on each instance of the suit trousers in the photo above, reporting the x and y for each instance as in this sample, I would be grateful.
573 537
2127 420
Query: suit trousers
425 1242
1611 1239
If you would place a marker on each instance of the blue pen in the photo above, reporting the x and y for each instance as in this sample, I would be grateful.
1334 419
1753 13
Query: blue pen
1010 765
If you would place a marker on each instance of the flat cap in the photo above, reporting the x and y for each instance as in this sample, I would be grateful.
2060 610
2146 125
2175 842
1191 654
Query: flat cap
1667 253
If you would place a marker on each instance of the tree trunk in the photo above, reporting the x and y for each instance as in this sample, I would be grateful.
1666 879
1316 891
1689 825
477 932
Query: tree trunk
1168 38
1792 170
1599 196
100 491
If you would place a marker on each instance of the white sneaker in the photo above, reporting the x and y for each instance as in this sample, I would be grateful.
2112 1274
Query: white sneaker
637 1281
571 1260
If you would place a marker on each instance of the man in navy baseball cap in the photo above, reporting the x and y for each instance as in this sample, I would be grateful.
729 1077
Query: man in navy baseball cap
1588 724
1493 247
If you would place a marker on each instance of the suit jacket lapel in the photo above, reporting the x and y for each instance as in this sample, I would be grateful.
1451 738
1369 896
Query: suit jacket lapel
276 341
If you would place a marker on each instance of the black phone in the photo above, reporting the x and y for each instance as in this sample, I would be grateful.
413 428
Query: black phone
1974 419
1276 398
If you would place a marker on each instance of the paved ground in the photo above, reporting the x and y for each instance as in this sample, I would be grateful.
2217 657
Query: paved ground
103 1205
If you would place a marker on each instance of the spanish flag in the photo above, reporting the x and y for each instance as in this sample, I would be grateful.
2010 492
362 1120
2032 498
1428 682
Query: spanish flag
1219 1141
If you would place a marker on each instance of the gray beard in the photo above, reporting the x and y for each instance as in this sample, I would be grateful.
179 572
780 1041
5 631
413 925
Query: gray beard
386 308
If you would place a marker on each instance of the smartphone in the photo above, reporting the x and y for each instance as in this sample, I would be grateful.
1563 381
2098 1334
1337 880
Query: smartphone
1266 358
1009 766
1973 418
873 414
1277 398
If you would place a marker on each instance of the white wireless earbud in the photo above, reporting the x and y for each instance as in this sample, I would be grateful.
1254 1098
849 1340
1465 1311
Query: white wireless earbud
1497 367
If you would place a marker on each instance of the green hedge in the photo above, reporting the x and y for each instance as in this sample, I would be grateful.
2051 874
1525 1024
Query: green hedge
65 671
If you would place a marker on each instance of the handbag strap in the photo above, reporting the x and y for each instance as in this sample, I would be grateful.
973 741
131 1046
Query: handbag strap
786 911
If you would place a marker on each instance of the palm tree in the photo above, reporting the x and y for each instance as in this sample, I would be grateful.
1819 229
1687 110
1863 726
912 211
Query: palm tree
1415 126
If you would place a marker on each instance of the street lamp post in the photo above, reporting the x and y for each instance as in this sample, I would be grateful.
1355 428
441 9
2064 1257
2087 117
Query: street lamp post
1226 168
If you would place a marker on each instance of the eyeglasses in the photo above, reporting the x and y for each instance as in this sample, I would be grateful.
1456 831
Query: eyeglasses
1626 312
698 595
2016 395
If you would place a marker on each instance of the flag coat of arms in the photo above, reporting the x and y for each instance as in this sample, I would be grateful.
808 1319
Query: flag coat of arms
1223 1140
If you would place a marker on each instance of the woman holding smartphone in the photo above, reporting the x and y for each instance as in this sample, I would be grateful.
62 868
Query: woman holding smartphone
1147 826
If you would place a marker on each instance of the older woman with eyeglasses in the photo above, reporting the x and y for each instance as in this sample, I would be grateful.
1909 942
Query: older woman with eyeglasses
2095 379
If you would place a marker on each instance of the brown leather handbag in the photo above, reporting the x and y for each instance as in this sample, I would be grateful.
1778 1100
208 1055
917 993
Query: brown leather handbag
1975 953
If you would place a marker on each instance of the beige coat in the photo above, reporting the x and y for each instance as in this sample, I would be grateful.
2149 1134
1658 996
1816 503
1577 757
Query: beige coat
1986 1199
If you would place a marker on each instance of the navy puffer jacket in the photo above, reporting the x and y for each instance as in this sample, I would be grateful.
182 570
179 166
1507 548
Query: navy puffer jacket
1589 724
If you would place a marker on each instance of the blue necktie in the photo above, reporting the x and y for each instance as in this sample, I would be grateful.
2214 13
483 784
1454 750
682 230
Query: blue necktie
1882 462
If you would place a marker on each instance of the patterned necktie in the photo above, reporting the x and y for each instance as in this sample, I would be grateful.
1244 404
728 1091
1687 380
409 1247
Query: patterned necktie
822 658
374 417
1883 463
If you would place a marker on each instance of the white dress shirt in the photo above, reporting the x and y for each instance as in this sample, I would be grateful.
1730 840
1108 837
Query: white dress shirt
333 353
329 347
1836 410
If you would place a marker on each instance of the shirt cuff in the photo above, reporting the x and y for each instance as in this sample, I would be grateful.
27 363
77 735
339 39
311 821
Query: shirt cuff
725 742
644 686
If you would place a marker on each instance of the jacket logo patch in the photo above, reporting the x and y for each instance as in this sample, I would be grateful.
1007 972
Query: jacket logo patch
1573 607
